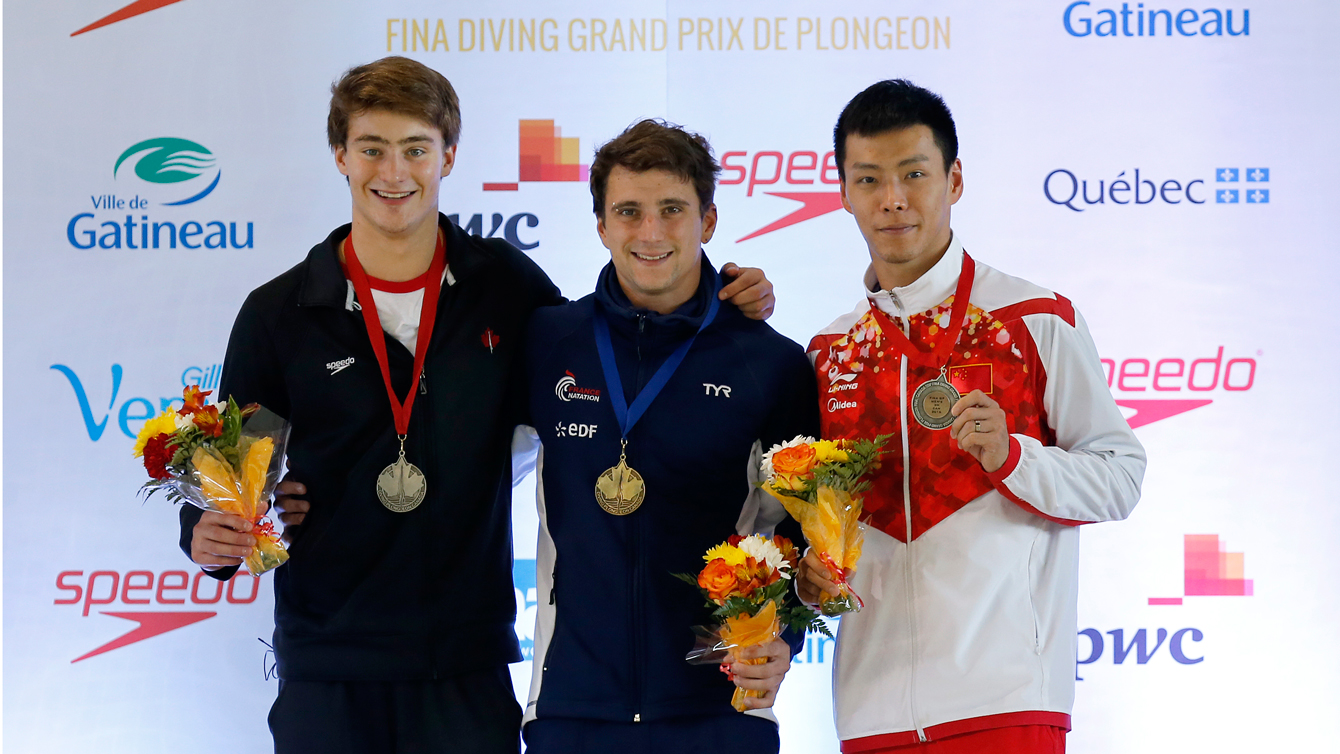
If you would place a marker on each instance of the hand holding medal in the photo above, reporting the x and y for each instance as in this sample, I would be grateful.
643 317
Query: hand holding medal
980 428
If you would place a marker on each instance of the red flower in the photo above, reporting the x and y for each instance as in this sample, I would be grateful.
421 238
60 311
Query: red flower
208 421
735 540
194 400
157 455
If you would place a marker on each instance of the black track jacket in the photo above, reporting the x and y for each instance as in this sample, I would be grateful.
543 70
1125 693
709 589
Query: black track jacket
368 594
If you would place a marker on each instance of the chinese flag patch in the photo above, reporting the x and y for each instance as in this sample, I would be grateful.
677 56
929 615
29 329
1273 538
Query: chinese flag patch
969 377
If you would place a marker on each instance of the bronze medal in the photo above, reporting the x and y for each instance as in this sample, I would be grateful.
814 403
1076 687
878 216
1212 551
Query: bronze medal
932 401
620 489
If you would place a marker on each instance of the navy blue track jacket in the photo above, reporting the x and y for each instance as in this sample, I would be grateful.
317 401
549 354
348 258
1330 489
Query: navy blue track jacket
614 625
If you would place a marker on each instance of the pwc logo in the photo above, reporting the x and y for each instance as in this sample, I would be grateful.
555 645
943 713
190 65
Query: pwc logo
805 170
1155 389
169 592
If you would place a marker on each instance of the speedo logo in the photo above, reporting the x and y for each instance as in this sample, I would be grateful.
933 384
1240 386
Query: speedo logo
337 366
567 390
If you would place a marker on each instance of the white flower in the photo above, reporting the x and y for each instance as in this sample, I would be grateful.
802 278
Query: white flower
763 550
182 422
766 466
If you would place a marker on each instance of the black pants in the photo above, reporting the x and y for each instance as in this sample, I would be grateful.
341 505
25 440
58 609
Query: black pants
736 733
473 713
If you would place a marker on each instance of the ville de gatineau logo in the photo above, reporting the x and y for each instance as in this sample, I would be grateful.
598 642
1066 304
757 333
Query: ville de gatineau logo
170 161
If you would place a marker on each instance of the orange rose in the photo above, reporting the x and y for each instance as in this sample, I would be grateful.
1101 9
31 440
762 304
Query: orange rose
718 578
792 466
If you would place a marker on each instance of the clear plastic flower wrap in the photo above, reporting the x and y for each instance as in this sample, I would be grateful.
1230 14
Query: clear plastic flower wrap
747 583
222 458
820 483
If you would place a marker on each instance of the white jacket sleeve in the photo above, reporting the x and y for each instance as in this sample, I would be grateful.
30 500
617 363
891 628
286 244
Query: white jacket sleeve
1094 471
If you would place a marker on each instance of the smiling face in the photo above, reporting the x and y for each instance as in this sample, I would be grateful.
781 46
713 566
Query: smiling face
654 228
898 189
395 164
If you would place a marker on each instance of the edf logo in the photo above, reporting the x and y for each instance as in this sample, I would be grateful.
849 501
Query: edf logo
1250 195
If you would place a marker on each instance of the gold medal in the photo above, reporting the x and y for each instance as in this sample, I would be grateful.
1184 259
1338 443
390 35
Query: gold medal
932 402
620 489
401 486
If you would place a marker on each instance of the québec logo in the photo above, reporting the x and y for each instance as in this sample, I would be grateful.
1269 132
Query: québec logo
165 171
567 390
1078 193
141 588
1136 382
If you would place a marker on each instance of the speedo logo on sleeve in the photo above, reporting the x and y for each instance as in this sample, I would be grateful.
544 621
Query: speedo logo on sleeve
338 366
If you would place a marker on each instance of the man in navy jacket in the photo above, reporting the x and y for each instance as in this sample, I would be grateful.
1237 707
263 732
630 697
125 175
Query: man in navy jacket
613 624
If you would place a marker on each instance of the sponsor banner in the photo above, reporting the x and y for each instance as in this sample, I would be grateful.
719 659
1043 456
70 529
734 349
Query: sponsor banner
1169 168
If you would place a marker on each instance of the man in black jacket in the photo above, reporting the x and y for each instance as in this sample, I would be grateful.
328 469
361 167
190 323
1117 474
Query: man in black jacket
397 338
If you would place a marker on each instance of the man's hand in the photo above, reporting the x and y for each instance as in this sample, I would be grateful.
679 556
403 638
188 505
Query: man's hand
291 509
814 580
766 677
981 430
220 540
748 289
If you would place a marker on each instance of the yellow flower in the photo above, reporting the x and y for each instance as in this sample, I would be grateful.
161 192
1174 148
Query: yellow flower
829 450
163 424
732 555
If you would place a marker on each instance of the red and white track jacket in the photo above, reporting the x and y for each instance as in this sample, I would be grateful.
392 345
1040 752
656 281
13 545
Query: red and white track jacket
969 578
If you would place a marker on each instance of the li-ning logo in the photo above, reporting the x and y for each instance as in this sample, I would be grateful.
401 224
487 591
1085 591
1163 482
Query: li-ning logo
169 160
567 390
339 366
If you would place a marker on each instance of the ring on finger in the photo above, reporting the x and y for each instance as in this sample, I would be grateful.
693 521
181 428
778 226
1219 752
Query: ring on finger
977 426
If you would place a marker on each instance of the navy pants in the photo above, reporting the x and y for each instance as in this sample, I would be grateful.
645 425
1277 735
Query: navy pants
472 713
733 732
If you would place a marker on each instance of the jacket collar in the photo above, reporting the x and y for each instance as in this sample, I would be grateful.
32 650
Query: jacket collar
623 315
325 285
927 291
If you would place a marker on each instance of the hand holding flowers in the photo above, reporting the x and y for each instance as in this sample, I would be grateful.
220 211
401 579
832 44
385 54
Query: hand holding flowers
225 461
819 482
747 583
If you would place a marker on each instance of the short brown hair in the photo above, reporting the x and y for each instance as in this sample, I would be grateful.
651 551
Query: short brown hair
656 145
394 84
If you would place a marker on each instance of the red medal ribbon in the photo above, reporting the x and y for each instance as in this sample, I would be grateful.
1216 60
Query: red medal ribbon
960 309
427 315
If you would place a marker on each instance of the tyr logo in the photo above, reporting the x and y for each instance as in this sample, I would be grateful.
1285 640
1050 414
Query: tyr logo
711 389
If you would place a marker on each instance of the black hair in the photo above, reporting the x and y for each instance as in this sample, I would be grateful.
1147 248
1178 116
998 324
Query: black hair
893 105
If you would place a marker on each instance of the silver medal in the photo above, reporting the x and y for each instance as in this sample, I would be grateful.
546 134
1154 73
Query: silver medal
932 401
401 486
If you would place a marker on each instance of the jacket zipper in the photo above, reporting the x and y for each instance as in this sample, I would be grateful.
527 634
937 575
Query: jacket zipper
907 518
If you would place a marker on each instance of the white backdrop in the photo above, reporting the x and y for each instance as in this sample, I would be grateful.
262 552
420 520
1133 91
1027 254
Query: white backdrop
1052 99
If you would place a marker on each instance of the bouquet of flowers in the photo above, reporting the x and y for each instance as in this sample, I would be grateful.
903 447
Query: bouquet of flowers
747 583
819 482
220 458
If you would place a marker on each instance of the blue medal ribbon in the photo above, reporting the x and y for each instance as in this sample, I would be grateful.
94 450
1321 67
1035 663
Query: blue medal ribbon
628 415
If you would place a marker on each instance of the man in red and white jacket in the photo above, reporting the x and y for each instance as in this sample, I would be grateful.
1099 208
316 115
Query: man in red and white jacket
970 568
